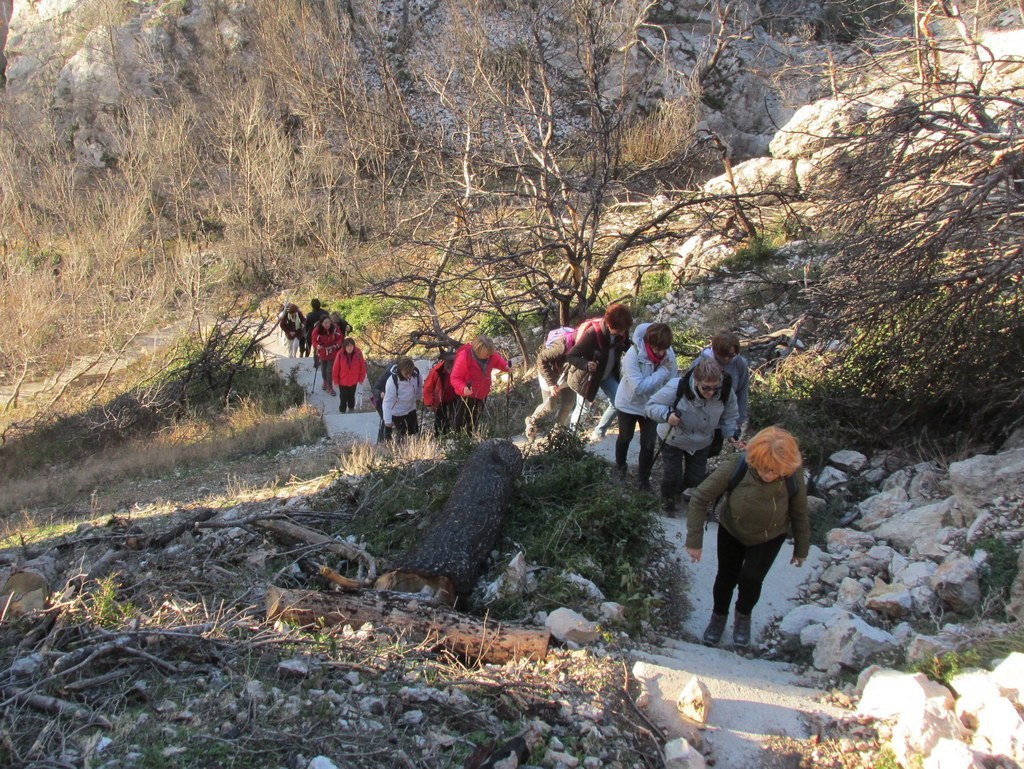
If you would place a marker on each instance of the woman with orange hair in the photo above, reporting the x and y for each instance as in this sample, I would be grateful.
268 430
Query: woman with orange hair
767 499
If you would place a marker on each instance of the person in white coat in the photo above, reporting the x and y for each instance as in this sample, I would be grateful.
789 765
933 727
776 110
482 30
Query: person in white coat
648 364
398 405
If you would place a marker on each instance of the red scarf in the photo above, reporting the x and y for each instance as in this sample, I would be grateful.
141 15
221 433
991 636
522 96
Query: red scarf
653 356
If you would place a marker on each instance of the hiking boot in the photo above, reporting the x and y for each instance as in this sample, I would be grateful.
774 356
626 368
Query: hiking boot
623 472
668 504
741 630
597 436
531 430
644 486
713 632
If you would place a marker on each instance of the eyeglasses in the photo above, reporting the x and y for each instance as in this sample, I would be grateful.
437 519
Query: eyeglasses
709 388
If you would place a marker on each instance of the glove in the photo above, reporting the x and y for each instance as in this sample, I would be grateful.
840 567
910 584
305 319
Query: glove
716 444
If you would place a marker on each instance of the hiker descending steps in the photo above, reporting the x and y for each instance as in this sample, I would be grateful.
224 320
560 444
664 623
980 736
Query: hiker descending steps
327 339
348 373
594 362
766 500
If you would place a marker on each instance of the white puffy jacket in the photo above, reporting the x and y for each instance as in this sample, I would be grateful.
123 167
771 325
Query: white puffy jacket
641 377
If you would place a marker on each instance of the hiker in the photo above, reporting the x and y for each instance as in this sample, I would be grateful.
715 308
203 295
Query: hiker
341 323
348 372
471 380
725 350
326 340
594 362
695 409
557 397
766 500
647 365
439 396
398 403
293 326
313 318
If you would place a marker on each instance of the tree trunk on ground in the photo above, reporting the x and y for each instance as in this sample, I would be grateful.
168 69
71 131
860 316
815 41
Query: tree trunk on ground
452 553
478 640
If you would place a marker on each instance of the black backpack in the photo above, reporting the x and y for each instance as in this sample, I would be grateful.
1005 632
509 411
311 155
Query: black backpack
741 469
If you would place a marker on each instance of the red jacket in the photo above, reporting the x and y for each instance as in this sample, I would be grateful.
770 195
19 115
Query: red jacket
349 370
467 370
327 343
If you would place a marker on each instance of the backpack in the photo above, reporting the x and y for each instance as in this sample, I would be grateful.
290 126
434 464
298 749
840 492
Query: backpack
568 332
433 387
741 469
595 324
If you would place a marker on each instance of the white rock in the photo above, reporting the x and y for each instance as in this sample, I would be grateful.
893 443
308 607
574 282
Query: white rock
916 573
830 478
679 754
952 754
613 612
294 667
848 642
882 506
321 762
851 594
584 584
889 693
694 701
925 647
905 529
999 729
977 480
892 601
847 460
569 627
807 614
835 574
1009 677
815 126
842 540
956 584
919 730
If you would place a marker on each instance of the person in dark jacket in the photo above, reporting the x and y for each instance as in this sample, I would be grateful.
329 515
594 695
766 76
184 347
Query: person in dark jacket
760 512
594 362
313 318
558 397
293 325
725 350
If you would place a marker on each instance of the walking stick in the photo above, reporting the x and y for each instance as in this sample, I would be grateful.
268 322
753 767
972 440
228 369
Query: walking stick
312 387
661 445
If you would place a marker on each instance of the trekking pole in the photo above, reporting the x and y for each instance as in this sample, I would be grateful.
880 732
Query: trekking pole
312 387
661 445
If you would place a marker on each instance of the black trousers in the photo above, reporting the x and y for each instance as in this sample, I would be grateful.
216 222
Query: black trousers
404 425
444 418
742 566
347 398
467 414
681 470
648 440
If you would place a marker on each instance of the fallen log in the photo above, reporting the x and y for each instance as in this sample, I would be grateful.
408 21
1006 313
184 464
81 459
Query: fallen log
476 639
451 556
293 532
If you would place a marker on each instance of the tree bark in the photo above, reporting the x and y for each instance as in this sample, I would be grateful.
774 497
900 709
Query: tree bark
456 546
476 639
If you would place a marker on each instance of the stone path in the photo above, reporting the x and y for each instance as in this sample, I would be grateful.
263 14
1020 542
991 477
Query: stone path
752 699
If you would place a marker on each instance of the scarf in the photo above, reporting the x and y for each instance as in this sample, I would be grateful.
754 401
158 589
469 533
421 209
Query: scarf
652 356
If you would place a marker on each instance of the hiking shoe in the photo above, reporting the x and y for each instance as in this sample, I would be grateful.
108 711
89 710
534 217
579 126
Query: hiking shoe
644 486
596 436
531 430
623 472
713 632
668 504
741 630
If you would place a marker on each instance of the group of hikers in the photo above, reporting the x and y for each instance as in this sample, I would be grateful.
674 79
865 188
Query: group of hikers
684 416
694 412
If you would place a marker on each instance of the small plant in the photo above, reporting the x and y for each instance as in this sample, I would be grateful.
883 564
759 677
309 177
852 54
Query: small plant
105 609
758 252
944 667
999 572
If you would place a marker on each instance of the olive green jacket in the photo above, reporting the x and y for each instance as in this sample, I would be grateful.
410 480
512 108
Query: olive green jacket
754 512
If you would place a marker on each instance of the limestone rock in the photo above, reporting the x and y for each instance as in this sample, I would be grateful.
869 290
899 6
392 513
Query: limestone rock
978 480
680 754
956 584
889 693
892 601
756 175
815 126
1015 606
924 647
694 701
831 478
808 614
882 506
918 731
952 754
1009 677
842 540
848 461
848 642
851 594
570 627
904 529
613 612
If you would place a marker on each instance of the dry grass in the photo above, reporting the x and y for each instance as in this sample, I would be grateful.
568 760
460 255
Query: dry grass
244 430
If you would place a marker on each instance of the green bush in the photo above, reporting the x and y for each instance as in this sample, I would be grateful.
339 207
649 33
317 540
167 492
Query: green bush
366 312
758 252
999 572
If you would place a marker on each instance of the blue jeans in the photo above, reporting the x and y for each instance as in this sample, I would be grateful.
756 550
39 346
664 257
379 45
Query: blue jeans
609 386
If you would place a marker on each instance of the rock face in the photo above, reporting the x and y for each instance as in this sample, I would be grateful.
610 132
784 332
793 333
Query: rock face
979 479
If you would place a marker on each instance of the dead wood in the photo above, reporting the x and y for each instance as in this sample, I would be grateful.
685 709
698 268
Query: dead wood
293 532
56 707
477 639
457 544
162 540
